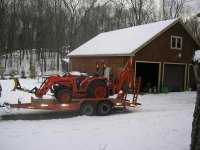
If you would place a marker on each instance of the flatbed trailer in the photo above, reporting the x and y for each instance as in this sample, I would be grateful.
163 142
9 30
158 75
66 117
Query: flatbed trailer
86 106
87 94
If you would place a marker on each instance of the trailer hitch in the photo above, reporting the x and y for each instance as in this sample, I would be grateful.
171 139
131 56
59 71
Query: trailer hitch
10 106
5 104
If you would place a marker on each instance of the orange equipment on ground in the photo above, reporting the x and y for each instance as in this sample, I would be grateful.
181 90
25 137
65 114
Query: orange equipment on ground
89 94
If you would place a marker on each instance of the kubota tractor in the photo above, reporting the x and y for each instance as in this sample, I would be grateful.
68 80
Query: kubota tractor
71 86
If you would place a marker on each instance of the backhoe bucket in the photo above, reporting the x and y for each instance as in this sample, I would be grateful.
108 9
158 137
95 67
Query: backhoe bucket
16 84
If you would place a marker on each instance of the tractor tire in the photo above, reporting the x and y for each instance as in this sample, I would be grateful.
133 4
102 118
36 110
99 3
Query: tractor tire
64 95
88 109
104 108
98 90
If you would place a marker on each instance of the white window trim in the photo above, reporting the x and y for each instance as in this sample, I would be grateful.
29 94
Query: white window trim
177 37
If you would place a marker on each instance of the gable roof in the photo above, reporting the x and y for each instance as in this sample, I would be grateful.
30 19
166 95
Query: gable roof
123 42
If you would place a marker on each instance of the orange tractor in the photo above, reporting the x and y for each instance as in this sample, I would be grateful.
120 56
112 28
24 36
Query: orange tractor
85 93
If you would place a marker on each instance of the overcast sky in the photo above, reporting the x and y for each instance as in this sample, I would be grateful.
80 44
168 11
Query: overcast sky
193 4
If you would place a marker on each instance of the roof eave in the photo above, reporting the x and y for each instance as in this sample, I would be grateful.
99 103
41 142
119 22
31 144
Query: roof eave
105 55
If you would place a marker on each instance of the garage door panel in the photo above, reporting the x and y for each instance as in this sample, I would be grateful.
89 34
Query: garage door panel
174 76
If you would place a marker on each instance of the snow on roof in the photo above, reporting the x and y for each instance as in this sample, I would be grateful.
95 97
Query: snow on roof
197 56
123 41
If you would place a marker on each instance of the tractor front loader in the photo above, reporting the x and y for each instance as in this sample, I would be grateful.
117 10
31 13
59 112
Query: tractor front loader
70 86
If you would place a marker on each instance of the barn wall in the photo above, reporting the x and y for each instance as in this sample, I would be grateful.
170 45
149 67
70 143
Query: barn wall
88 64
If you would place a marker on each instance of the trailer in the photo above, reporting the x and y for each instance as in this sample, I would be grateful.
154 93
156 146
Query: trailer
86 106
87 94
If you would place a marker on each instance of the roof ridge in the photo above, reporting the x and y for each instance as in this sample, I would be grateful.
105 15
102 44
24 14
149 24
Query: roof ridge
141 25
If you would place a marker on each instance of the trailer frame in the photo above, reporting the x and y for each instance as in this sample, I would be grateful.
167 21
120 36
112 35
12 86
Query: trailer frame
87 106
100 106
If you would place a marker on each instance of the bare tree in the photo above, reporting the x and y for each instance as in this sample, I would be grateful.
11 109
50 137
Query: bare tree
57 22
120 15
26 29
141 11
78 11
173 8
195 136
193 24
12 28
4 4
3 22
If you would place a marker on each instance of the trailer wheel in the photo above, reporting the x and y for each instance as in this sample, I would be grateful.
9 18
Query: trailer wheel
64 95
99 90
88 109
104 108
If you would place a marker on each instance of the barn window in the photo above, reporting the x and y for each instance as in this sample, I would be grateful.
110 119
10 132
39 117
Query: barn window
176 42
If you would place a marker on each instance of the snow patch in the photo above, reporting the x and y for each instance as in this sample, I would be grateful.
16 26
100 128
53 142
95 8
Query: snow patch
197 56
162 122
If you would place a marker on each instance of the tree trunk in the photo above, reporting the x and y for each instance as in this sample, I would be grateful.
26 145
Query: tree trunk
195 136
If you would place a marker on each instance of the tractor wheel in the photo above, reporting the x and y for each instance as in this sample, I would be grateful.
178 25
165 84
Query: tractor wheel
64 95
99 90
88 109
104 108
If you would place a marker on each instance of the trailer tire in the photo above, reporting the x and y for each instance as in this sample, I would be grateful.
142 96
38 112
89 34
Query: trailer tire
88 109
104 108
64 95
99 90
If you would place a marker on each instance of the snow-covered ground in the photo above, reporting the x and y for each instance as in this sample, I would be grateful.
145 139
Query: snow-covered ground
162 122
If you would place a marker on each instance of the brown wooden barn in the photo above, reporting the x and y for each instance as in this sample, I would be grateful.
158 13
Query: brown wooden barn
161 54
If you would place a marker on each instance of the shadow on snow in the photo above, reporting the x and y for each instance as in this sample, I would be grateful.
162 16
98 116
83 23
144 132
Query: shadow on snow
52 115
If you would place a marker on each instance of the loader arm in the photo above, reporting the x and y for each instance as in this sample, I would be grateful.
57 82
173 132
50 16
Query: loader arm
48 83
